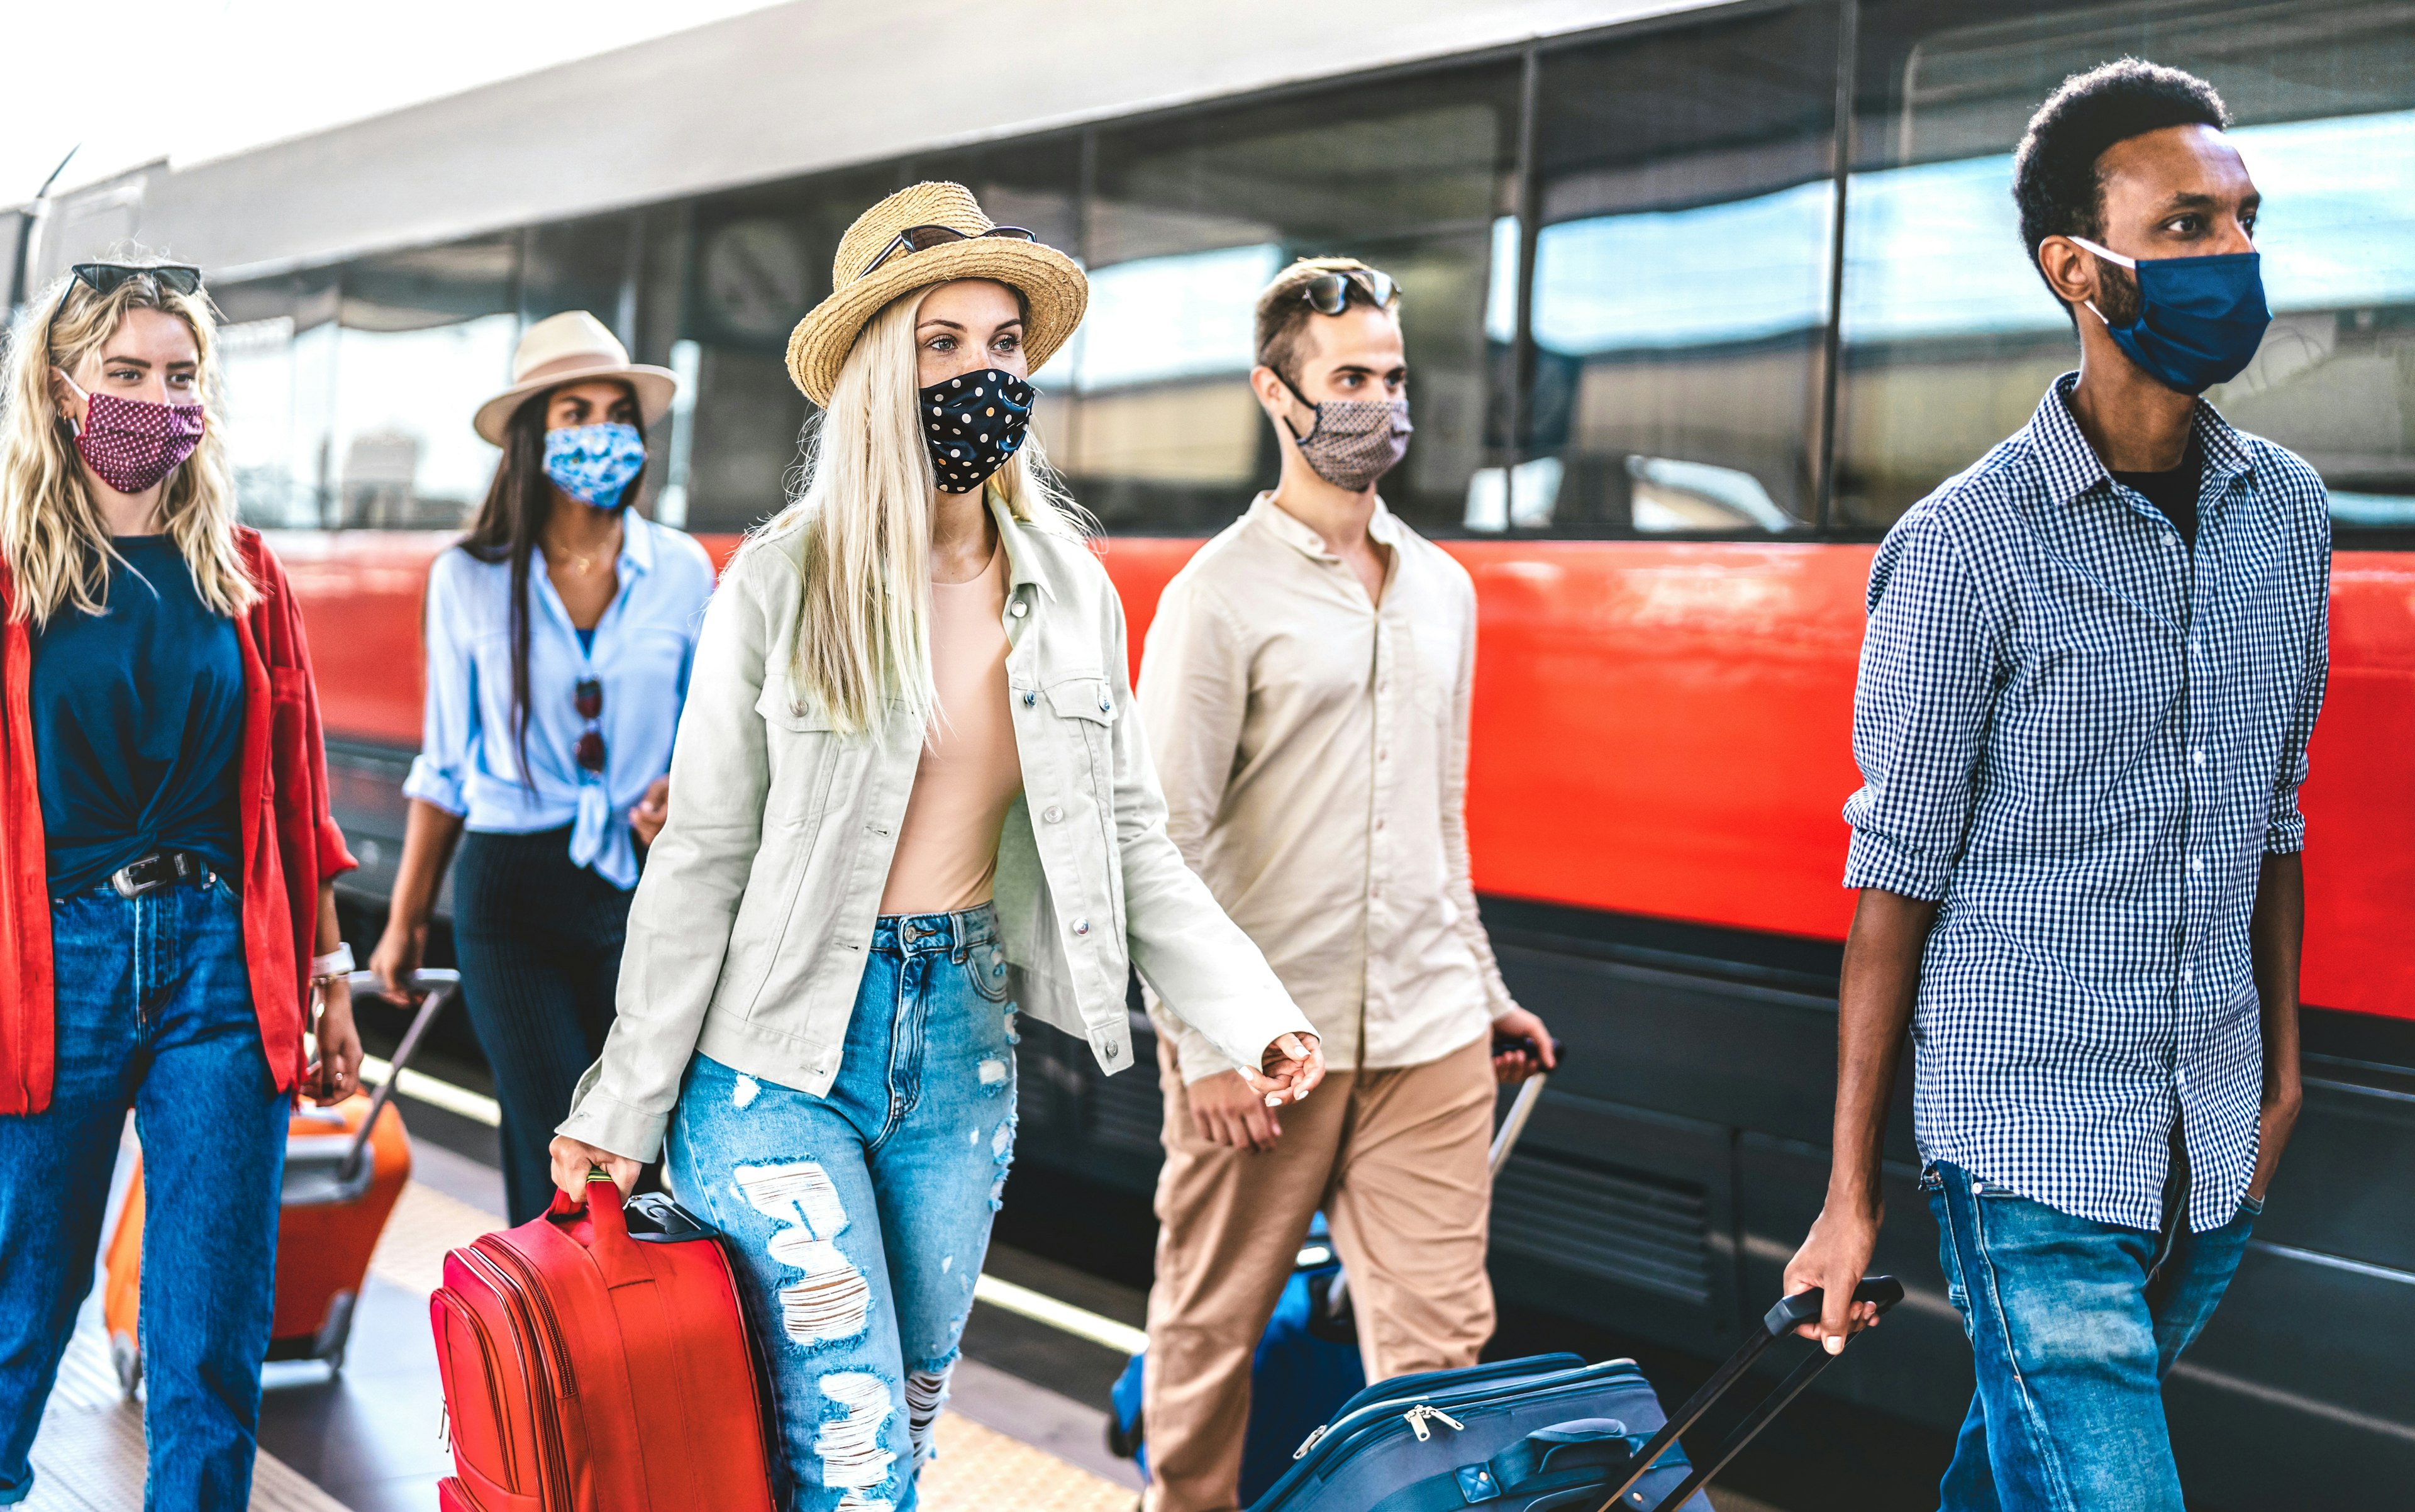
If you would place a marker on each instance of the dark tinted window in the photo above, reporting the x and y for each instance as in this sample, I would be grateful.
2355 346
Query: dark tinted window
585 264
424 337
1949 337
1194 215
1681 285
760 259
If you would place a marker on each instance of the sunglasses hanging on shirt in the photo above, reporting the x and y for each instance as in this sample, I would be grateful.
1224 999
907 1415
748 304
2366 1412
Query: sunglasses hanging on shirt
589 751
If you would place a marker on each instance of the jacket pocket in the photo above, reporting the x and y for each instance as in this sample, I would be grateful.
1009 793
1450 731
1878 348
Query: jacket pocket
1086 712
800 744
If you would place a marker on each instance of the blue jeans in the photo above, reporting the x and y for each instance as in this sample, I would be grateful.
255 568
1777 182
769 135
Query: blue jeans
859 1220
155 1014
2073 1325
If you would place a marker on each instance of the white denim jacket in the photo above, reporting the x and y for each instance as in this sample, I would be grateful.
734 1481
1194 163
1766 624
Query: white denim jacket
747 937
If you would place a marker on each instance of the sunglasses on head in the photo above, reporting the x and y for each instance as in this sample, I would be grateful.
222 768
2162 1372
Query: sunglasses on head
1329 294
589 751
106 278
923 238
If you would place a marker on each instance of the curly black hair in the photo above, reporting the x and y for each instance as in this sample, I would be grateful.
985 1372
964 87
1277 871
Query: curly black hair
2055 181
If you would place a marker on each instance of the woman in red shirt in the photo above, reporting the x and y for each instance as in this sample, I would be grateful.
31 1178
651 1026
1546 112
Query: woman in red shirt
166 864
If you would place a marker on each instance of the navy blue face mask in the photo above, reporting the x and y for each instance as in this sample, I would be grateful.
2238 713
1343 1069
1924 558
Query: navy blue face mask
2201 319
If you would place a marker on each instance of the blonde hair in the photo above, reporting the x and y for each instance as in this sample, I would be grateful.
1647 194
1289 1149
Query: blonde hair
864 510
53 538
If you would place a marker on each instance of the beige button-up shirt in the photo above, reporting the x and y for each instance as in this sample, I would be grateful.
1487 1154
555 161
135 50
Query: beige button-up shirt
1313 747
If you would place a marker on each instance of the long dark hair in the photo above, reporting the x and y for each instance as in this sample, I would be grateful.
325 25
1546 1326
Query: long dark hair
509 524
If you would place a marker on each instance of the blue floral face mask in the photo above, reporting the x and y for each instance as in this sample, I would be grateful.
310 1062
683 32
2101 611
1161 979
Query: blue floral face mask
595 464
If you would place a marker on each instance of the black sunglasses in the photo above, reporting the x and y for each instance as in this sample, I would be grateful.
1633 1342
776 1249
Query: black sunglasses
1329 294
106 278
923 238
589 752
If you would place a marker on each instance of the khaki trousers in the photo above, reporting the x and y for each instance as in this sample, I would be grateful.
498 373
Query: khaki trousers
1395 1159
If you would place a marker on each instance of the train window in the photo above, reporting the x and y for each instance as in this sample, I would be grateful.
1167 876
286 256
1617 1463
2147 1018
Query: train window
1949 337
1191 215
268 331
585 264
760 259
1681 283
424 336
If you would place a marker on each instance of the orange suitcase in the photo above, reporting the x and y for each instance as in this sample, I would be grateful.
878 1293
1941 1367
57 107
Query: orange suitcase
345 1168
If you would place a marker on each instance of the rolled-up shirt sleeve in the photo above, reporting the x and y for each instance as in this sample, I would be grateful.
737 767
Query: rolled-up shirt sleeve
1928 672
2284 827
449 718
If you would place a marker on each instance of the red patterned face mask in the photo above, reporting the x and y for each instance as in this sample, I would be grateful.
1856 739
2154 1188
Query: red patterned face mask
131 444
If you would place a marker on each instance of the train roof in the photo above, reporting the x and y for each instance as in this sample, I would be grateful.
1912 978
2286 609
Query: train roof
794 89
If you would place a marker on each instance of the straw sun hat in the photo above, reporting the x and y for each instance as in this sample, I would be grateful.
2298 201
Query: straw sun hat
1050 282
572 348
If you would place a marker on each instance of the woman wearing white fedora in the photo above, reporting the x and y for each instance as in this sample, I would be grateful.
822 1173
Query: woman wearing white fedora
913 800
560 633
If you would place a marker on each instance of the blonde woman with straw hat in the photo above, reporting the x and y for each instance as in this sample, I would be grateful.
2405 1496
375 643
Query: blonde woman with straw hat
913 802
167 908
559 633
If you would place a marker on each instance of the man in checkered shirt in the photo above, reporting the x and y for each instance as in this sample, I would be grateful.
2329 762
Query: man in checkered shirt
2093 662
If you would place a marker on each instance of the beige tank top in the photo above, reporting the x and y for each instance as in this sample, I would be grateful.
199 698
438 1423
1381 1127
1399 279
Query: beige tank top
970 772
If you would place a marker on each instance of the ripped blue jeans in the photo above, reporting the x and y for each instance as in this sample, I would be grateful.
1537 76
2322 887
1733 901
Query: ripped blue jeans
860 1219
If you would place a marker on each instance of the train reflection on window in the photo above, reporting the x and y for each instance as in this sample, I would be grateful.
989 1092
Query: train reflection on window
1949 337
1676 288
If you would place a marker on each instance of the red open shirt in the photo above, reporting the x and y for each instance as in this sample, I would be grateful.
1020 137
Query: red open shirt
291 843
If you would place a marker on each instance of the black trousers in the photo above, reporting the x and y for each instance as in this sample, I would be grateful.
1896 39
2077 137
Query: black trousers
539 943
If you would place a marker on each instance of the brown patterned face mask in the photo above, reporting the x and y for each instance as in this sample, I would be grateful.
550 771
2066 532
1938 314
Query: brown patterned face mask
1353 442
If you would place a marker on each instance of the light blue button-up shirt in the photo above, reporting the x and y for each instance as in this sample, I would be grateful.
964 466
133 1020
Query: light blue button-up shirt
469 763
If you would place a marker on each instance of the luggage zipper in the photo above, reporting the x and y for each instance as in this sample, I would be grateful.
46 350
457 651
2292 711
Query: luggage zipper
451 1301
554 1467
1482 1374
1380 1412
1424 1412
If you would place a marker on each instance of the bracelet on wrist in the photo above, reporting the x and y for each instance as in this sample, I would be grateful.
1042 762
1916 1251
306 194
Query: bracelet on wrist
336 962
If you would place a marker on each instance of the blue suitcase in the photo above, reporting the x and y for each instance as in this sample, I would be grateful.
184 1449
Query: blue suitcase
1307 1361
1545 1432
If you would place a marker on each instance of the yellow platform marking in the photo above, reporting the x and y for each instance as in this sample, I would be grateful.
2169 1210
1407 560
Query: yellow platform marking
981 1469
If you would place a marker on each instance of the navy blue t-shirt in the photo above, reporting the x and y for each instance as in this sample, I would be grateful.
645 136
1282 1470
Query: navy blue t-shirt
138 723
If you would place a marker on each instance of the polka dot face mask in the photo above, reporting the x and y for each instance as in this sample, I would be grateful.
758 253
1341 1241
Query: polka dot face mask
131 444
973 424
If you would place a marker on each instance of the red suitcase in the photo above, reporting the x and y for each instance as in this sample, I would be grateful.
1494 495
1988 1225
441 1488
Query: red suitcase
597 1360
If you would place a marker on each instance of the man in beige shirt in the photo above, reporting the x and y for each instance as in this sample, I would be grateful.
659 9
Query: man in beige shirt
1305 691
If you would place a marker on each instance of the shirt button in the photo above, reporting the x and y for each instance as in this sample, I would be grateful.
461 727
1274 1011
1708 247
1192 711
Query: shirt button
1052 814
1106 706
1030 698
1018 608
2196 863
2197 757
1080 926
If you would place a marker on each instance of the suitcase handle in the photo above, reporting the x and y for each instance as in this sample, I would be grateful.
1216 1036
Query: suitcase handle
1777 1324
615 1254
436 987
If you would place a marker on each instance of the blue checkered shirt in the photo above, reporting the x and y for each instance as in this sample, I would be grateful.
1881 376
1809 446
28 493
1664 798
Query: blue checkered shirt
2081 739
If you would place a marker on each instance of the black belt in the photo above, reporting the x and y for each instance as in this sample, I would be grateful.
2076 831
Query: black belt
161 869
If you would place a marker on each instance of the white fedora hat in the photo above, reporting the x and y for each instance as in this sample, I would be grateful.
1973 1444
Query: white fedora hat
573 348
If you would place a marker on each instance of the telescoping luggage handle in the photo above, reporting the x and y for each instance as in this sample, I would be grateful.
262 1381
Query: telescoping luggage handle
1790 1314
435 987
1504 1139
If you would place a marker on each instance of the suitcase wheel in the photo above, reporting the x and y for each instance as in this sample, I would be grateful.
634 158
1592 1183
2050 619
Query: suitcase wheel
125 1356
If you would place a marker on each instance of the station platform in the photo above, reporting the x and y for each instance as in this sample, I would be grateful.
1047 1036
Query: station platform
1025 1430
370 1439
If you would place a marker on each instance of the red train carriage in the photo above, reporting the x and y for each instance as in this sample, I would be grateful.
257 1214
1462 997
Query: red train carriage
1699 299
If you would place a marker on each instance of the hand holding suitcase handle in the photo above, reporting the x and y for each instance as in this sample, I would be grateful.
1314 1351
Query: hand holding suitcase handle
1883 1292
